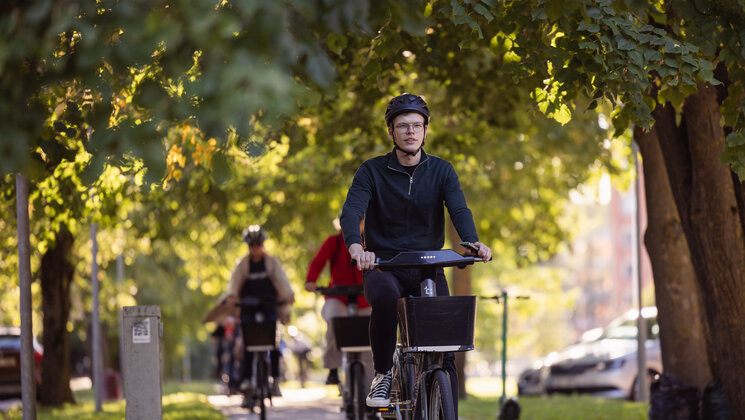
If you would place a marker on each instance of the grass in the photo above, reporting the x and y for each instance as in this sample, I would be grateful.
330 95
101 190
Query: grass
180 401
556 408
483 404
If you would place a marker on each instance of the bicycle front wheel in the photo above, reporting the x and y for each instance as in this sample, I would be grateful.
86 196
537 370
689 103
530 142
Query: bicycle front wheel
262 382
440 405
358 393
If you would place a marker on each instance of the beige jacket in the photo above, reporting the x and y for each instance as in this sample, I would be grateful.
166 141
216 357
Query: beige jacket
276 274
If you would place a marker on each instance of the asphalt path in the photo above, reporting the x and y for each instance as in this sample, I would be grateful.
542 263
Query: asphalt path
294 404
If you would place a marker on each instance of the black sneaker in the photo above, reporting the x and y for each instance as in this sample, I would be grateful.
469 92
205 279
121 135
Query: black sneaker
380 390
333 378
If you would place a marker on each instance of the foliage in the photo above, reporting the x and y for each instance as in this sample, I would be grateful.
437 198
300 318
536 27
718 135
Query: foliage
119 74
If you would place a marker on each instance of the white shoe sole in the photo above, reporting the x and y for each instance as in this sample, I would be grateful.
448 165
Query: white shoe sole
377 403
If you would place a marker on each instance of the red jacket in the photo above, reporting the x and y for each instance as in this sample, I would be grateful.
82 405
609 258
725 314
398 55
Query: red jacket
343 272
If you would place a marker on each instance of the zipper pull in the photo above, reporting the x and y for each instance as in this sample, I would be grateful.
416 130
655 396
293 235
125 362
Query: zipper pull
411 181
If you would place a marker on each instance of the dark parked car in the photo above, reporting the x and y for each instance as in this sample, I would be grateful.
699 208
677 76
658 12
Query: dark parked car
10 361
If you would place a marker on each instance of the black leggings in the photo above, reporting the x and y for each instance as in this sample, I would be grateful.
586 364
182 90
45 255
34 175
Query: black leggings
382 290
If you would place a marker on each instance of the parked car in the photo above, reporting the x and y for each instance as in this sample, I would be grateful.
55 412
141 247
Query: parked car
607 366
10 361
532 381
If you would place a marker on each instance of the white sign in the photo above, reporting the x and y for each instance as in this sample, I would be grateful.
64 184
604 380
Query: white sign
141 331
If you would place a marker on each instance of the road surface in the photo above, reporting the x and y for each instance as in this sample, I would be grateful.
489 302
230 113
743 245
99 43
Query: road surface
295 404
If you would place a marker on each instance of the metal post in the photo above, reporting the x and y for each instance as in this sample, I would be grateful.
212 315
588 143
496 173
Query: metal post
640 324
141 331
97 357
120 268
504 348
28 382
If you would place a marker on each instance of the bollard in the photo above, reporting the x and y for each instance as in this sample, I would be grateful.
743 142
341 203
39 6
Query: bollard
141 331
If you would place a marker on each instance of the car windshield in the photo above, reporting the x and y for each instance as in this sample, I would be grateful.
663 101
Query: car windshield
627 329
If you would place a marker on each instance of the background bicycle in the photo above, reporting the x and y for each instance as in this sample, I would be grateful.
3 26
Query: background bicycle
351 333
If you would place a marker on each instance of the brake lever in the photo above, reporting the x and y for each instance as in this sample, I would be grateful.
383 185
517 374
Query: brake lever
470 247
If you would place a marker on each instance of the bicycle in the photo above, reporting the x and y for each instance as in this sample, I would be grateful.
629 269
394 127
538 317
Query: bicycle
351 338
429 327
259 338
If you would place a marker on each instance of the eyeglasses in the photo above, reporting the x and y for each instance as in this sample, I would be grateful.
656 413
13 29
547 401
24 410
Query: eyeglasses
405 128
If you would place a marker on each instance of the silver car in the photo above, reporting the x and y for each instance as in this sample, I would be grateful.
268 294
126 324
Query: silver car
607 366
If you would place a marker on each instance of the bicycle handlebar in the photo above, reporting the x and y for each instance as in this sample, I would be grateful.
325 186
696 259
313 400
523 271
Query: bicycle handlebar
418 259
344 290
250 301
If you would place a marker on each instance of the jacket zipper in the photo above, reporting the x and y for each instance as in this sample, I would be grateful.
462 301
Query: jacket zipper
411 177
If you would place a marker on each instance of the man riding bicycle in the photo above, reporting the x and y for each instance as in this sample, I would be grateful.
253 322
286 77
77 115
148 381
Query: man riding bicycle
402 195
260 275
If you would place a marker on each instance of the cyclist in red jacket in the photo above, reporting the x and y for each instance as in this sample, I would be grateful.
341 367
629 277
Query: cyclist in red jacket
334 251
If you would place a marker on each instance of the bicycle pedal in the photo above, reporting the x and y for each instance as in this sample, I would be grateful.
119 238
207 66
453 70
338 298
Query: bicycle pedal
390 411
387 412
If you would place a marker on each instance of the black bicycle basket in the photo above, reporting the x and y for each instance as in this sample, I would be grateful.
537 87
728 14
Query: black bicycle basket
443 323
351 332
259 334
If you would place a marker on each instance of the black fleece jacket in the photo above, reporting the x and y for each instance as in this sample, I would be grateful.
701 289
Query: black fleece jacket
405 213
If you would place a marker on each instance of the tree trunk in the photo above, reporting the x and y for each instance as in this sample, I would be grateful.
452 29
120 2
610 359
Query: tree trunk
56 276
461 282
680 313
707 203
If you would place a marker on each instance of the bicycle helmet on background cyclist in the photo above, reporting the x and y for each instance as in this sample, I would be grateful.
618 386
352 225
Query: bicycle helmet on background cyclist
404 103
254 234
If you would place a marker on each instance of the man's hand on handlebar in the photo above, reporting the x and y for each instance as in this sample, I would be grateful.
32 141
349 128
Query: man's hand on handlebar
310 286
483 251
365 259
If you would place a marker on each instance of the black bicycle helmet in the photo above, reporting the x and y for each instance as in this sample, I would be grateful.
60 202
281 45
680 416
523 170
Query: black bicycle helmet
254 234
404 103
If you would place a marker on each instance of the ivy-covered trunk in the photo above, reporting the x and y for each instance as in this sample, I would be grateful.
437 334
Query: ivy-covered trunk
706 198
56 276
680 309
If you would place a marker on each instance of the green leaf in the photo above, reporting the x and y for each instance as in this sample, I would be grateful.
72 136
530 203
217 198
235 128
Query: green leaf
588 45
652 55
671 62
483 12
537 13
336 43
458 9
594 13
735 139
636 58
626 44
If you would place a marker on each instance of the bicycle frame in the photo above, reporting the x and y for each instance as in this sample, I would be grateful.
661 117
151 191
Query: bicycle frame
420 383
266 330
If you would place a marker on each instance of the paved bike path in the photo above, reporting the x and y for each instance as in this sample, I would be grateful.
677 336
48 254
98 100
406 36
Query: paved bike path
294 404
